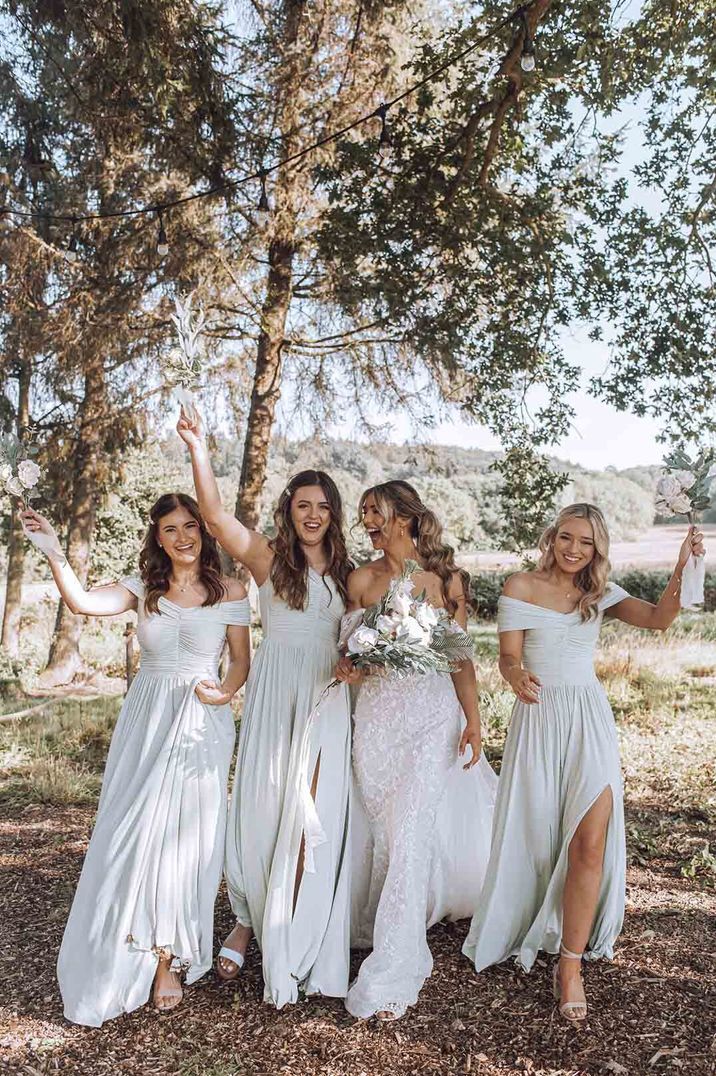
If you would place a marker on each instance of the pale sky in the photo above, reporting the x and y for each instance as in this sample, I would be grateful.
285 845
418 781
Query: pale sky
600 437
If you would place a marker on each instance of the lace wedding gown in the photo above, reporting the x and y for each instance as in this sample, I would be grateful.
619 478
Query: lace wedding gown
421 832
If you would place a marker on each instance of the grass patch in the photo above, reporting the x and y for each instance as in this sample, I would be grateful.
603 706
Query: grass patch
57 757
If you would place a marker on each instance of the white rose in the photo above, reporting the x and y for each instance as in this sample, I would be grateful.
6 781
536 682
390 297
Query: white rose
362 639
386 625
400 603
28 472
685 479
426 615
668 487
5 472
15 487
680 505
410 631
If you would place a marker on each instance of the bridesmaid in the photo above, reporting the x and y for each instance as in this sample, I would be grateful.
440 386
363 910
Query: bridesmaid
556 876
143 912
286 863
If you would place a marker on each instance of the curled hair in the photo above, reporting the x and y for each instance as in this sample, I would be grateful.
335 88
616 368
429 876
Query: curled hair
398 498
289 569
155 565
591 580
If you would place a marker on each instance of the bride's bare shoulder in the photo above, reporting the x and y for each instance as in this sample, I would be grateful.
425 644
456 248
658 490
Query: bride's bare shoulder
358 579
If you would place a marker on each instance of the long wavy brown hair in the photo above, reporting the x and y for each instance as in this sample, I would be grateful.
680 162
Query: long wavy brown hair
155 566
591 580
289 570
398 498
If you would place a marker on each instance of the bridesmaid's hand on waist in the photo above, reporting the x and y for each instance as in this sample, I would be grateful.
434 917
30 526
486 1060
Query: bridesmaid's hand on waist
211 693
525 685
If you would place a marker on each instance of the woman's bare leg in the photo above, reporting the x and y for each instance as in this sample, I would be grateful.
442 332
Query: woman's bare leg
581 891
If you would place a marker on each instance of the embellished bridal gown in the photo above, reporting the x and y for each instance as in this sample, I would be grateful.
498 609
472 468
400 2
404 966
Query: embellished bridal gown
274 824
560 755
421 832
153 866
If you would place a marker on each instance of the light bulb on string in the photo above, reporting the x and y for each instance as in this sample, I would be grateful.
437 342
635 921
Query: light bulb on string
385 150
527 59
263 209
71 253
162 241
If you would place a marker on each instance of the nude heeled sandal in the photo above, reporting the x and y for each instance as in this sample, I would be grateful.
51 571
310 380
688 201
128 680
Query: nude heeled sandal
169 997
574 1011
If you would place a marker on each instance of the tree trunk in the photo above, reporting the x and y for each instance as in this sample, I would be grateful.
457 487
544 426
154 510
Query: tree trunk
65 661
16 544
266 389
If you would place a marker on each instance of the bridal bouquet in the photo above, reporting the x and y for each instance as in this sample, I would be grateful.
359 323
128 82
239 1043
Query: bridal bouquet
685 490
184 363
404 634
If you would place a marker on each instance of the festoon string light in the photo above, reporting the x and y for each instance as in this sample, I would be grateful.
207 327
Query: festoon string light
263 209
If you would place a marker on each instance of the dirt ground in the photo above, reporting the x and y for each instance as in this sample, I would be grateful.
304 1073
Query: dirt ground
652 1011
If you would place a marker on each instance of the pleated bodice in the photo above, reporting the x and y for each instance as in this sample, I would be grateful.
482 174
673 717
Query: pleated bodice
178 641
318 623
558 647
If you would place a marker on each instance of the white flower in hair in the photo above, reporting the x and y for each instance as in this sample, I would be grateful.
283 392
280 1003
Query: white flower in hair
28 472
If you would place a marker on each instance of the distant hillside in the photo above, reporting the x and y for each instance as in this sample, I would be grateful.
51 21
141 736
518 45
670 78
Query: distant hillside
456 482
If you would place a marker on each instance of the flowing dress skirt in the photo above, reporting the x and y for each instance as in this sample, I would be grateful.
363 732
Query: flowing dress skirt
283 744
560 755
153 865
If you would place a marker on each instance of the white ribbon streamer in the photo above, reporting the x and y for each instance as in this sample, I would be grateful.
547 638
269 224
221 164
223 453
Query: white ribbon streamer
692 583
46 543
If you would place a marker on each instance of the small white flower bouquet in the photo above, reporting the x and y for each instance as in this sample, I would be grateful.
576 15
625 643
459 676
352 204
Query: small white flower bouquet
19 475
404 634
685 490
184 364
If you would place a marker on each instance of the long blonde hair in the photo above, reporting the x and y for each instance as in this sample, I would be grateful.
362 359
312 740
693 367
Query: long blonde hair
593 579
398 498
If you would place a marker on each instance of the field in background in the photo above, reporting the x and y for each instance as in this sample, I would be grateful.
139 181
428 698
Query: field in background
656 548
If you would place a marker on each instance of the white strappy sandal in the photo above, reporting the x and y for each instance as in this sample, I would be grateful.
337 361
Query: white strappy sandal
233 957
574 1011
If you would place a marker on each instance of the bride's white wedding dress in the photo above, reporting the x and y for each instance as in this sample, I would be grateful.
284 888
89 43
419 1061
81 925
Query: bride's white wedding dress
420 833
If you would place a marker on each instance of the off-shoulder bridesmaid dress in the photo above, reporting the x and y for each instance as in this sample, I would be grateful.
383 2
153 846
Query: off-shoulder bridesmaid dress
153 866
560 755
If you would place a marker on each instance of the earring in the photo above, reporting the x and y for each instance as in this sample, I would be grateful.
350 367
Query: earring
402 531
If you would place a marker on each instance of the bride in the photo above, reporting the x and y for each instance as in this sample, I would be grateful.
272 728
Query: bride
406 749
